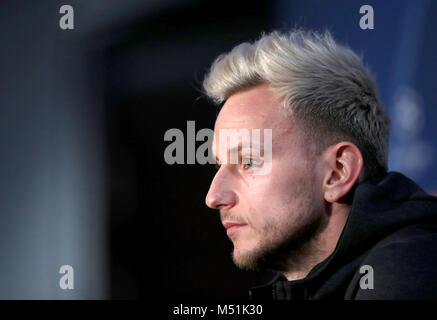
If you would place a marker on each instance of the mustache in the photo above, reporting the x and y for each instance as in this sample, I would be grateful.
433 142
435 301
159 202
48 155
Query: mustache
228 216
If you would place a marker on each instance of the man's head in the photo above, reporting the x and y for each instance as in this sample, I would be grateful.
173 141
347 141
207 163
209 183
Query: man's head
327 126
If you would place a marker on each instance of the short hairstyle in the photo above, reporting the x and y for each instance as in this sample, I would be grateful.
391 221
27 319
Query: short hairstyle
325 86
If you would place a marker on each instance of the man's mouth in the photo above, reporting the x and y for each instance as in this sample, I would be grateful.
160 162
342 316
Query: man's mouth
233 227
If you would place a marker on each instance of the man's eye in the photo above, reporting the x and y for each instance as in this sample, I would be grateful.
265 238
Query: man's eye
247 163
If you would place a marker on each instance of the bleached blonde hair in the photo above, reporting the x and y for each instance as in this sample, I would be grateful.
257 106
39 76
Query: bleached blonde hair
325 87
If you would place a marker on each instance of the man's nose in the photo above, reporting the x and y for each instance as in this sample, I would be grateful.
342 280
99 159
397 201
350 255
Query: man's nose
220 194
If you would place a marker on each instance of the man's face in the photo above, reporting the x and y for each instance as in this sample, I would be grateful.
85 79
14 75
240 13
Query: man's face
269 217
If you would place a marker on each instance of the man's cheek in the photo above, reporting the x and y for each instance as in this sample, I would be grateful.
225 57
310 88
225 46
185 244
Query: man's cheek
258 217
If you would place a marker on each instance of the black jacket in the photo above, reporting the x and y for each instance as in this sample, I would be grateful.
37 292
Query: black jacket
392 227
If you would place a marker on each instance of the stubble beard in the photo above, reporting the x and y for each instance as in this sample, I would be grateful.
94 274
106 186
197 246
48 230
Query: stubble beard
287 247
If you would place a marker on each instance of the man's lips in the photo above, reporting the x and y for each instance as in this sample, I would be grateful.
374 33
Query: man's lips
232 227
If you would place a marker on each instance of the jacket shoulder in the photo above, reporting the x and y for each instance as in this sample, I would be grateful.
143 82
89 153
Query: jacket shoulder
401 266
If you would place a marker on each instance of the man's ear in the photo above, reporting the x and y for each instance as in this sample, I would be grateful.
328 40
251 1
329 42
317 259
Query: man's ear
343 164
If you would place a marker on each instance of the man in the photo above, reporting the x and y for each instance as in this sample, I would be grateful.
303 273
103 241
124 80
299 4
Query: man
327 216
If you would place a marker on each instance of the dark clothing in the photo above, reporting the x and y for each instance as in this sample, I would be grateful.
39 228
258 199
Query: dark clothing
392 227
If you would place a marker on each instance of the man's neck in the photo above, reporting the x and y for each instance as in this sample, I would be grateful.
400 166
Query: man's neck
322 246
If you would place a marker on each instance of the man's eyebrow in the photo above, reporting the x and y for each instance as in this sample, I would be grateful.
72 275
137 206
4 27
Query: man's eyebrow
238 148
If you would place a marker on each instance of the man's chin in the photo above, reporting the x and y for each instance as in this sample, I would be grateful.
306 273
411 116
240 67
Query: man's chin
246 259
266 256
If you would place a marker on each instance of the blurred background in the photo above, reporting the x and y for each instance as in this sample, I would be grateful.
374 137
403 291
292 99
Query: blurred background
83 114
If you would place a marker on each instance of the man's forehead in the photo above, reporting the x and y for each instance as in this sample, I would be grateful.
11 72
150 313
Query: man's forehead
248 114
